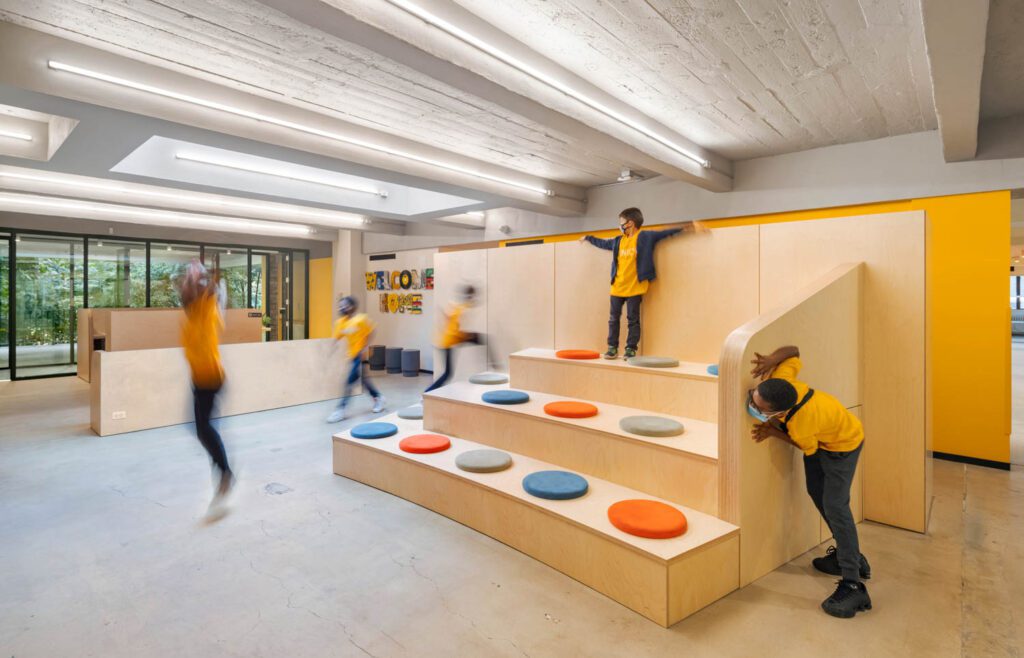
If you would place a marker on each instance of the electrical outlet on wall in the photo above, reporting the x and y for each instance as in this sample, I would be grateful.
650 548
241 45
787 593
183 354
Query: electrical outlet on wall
119 415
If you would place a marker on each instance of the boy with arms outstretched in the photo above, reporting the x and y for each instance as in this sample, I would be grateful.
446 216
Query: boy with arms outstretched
632 273
831 439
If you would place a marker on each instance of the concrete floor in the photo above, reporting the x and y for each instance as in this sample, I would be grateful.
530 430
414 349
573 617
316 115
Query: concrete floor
103 555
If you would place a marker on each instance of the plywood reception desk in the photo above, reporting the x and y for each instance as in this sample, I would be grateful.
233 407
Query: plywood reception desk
141 389
122 329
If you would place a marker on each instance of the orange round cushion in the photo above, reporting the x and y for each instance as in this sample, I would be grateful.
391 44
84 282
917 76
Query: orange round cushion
570 409
647 518
577 354
425 443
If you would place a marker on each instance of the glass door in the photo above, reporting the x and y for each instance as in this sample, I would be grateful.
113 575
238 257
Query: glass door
270 283
5 307
48 292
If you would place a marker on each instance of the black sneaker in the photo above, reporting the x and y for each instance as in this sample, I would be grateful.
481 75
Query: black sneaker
848 599
612 353
830 564
630 353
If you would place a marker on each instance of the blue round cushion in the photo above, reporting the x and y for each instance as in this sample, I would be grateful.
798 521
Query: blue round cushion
374 431
506 396
555 485
713 369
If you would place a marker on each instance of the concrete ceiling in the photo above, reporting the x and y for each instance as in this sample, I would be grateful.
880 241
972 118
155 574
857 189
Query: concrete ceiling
743 78
248 46
1002 84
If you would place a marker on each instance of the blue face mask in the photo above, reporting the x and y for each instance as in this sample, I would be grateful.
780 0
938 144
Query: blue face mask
756 413
753 411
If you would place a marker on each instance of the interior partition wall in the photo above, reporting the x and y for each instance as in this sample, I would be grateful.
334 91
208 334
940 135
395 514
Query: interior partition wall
46 277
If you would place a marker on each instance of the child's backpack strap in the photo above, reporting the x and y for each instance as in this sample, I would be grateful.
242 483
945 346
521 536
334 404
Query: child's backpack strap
792 412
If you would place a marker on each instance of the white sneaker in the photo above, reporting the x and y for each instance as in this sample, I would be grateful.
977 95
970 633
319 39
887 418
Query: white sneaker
337 416
378 404
218 508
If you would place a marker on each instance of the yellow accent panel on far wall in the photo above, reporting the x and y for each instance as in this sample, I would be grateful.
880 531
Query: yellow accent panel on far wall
321 305
967 312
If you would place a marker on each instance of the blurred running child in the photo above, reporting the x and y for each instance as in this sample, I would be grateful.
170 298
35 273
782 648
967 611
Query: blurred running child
200 339
452 335
356 329
632 273
831 439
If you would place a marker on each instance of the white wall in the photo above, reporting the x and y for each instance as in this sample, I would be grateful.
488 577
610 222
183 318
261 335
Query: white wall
904 167
404 329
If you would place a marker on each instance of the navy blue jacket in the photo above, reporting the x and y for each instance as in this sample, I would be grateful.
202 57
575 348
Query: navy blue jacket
644 251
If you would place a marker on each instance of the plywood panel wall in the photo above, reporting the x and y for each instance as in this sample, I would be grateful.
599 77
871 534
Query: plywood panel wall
892 247
706 287
451 271
762 485
521 310
581 296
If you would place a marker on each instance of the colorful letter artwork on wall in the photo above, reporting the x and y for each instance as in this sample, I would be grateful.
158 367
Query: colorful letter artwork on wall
401 302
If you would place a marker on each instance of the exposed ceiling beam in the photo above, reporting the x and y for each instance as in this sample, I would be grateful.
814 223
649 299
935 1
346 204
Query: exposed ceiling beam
954 33
25 54
495 81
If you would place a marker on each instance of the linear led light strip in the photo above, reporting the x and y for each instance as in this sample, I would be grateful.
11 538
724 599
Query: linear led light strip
136 213
284 123
271 171
476 219
512 61
326 217
14 135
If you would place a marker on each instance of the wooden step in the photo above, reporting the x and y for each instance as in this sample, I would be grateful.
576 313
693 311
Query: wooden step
686 390
682 468
664 580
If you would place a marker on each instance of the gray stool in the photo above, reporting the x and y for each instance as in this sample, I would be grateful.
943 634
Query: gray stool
410 363
376 357
393 360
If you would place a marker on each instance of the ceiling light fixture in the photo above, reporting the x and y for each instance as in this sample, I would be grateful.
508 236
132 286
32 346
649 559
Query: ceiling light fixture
540 76
141 215
15 135
284 123
278 173
324 217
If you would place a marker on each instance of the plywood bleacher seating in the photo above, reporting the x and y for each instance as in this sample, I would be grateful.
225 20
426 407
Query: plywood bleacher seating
746 510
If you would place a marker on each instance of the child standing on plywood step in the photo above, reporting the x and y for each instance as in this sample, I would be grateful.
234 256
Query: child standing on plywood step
356 329
831 439
632 273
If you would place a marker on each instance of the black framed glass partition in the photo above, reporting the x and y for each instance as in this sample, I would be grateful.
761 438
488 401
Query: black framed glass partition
167 261
46 277
233 265
116 274
5 306
48 291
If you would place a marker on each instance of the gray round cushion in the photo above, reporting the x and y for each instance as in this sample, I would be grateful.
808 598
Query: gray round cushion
484 460
653 361
651 426
489 378
415 412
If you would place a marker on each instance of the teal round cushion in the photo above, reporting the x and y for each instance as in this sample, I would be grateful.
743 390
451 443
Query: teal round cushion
374 430
555 485
484 460
489 378
415 412
651 426
653 361
506 396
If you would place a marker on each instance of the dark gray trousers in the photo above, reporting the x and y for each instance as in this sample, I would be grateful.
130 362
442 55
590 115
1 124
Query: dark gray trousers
829 477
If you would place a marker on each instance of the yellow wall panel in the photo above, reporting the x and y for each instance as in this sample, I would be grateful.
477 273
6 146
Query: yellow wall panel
321 306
